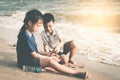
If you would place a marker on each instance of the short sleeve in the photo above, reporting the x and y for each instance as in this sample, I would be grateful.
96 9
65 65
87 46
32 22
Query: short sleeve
31 43
44 38
59 34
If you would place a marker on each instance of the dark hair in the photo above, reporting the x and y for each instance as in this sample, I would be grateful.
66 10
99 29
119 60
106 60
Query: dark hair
33 16
47 17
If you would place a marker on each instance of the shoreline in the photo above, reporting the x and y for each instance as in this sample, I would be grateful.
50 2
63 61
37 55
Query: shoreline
9 35
8 63
8 68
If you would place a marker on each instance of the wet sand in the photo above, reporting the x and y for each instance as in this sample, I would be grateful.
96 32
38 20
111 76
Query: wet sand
9 70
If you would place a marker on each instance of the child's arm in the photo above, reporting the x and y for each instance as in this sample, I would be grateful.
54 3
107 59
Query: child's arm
46 47
35 55
44 53
58 46
61 43
47 51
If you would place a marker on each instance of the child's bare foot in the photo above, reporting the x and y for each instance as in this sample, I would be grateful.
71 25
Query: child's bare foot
82 75
72 61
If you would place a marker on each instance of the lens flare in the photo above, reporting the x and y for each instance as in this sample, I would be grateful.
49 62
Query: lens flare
97 13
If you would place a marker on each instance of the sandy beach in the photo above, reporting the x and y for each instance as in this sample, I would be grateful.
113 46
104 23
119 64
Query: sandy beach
9 70
93 24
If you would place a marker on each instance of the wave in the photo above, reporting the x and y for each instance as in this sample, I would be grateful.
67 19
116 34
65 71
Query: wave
13 21
98 44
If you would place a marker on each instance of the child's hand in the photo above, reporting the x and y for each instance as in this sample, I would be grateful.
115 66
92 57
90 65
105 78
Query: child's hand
52 54
49 53
57 49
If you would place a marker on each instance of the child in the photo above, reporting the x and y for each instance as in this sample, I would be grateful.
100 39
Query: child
52 40
27 52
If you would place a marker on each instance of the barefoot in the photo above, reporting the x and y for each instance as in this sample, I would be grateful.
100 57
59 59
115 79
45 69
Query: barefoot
72 61
82 75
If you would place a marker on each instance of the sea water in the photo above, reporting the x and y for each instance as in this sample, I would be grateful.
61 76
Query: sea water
93 24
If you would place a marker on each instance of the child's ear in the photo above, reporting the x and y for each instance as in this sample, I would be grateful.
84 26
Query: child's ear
29 23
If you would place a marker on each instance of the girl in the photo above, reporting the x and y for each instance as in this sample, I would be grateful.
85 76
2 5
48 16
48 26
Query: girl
27 52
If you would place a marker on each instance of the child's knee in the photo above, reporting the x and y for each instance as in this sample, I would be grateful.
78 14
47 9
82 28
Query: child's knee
64 59
51 61
73 44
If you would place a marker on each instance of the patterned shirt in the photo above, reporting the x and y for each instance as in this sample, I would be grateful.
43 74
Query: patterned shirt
51 40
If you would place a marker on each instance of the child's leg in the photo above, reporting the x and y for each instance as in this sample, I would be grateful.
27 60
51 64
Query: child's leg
49 62
56 58
71 47
50 69
72 51
64 59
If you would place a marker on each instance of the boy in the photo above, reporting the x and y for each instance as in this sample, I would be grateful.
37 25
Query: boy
52 41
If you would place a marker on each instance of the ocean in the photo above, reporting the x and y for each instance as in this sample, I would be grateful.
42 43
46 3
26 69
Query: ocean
93 24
